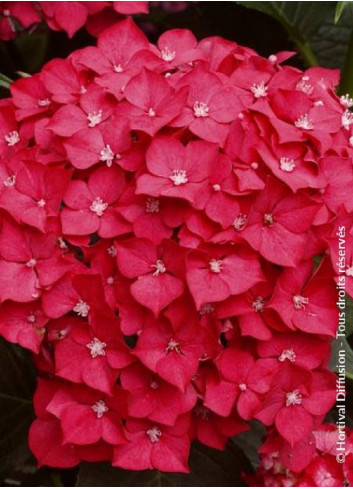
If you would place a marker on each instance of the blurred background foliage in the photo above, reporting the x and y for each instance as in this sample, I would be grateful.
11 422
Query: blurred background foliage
322 34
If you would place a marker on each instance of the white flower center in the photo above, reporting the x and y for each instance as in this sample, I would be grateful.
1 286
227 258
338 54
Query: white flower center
167 55
154 385
303 122
152 205
259 90
41 203
269 219
12 138
100 408
94 118
240 221
215 265
82 308
151 112
300 302
347 119
118 68
98 206
216 187
110 280
10 181
154 434
349 271
319 103
112 251
159 268
258 304
45 102
201 109
31 318
173 345
31 263
346 101
179 177
96 348
287 355
242 387
272 59
304 86
293 398
286 164
206 309
107 155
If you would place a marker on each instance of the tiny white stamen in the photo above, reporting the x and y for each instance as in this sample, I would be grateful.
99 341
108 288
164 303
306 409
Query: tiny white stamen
347 119
98 206
259 90
272 59
31 263
100 408
154 385
319 103
206 309
118 68
97 348
160 268
300 302
201 109
154 434
83 89
167 55
303 122
216 187
346 101
151 112
41 203
94 118
10 181
62 243
349 271
12 138
304 86
152 205
293 398
258 304
269 219
107 155
112 251
287 355
6 12
351 141
31 318
81 308
240 221
173 345
242 387
44 102
110 280
254 165
286 164
215 265
179 177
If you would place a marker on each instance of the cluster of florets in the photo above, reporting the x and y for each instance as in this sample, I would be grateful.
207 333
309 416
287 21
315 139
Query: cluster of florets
64 16
169 248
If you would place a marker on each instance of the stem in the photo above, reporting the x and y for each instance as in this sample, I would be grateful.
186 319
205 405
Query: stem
14 398
5 81
346 85
303 47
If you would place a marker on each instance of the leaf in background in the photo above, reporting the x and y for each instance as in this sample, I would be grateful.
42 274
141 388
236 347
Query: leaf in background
341 344
301 20
331 40
32 48
339 10
16 413
209 467
250 441
349 316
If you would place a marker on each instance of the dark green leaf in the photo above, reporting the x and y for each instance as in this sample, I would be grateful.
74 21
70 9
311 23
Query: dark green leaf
250 441
340 348
349 316
208 468
330 41
32 48
16 414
